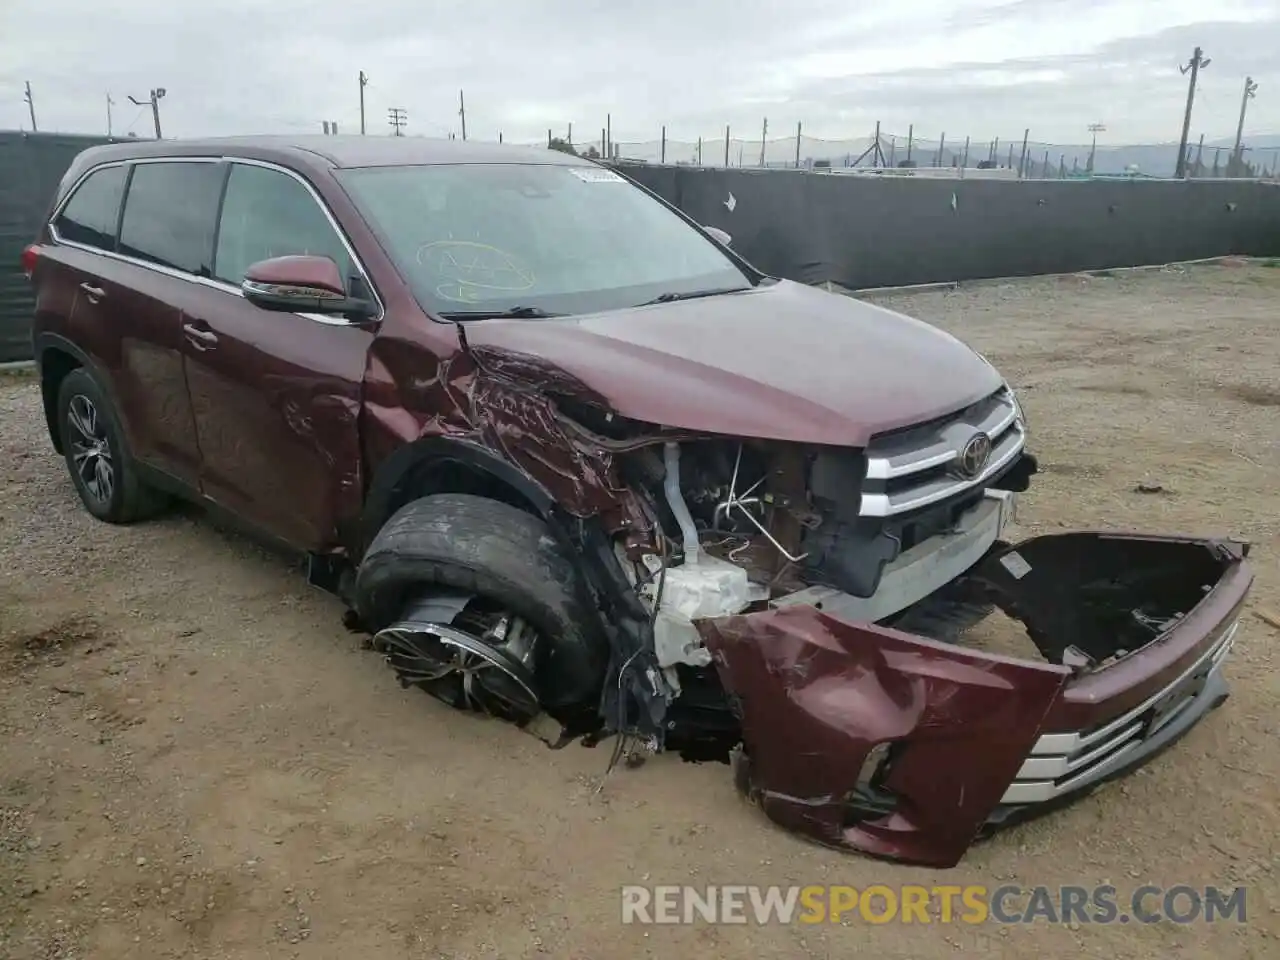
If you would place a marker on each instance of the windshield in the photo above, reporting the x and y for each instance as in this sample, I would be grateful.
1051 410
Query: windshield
548 239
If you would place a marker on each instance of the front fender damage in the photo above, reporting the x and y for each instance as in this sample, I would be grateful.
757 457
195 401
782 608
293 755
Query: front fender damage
817 696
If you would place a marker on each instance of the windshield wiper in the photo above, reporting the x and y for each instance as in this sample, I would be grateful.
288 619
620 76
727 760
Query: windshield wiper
520 312
673 296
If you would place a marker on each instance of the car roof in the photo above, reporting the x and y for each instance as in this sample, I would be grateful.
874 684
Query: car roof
336 151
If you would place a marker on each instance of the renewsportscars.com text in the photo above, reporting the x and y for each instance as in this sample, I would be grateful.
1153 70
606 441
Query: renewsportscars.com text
909 903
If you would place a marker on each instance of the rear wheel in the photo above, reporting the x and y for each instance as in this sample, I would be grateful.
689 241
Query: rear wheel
104 473
474 601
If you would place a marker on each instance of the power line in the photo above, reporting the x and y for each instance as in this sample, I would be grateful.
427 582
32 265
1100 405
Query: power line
31 106
1250 91
364 82
1094 129
153 101
1193 66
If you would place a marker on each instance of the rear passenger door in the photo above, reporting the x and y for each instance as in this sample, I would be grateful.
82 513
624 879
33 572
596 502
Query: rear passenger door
122 312
166 229
276 396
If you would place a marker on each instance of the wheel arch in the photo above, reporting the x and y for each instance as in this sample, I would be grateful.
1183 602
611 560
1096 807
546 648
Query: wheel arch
445 465
56 356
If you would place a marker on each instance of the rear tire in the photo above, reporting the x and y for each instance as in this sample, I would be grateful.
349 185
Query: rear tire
102 469
498 552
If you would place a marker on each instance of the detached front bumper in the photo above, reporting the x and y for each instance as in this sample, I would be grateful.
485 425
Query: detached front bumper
861 736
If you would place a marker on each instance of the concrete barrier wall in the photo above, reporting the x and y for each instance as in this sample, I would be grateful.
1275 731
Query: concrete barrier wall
814 227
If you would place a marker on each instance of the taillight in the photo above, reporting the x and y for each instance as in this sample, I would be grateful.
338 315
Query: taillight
28 260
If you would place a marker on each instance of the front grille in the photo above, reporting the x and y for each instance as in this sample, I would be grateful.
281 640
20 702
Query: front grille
1062 762
916 467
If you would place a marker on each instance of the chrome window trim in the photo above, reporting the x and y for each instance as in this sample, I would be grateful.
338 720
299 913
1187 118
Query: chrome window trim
208 281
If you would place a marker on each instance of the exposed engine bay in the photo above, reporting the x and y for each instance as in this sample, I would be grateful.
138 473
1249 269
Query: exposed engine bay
748 526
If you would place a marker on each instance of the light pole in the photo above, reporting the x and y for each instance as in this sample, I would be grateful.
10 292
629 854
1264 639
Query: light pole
154 100
1250 91
1193 66
1095 129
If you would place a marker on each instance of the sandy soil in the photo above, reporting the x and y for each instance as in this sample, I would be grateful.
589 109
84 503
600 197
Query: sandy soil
197 760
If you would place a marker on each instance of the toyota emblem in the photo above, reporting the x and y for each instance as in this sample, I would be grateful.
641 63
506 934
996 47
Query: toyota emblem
973 458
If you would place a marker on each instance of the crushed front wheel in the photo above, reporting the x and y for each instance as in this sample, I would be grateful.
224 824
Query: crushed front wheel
476 602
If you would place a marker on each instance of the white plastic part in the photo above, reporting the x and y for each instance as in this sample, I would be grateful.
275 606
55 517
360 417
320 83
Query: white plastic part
671 485
702 586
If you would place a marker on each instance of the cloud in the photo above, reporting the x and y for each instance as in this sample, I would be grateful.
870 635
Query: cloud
986 68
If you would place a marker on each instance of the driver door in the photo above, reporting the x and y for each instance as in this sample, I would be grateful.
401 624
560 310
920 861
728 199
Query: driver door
276 396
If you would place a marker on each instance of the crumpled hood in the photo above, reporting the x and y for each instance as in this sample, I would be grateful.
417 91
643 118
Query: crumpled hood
781 362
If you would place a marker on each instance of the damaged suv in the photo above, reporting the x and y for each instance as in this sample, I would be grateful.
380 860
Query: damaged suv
573 463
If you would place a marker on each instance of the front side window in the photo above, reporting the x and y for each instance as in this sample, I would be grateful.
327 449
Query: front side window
90 216
561 239
268 214
169 214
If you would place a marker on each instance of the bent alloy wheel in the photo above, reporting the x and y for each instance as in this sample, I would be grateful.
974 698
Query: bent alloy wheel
477 603
467 653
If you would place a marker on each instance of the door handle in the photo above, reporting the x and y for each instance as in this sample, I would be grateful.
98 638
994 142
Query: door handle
200 338
93 293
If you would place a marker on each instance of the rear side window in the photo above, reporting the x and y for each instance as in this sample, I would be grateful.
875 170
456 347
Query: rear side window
268 214
90 216
169 214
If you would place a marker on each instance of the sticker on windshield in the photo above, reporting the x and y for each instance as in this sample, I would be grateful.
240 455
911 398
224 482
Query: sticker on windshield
596 175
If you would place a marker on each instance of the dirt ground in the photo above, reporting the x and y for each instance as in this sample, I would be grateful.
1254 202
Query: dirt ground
197 760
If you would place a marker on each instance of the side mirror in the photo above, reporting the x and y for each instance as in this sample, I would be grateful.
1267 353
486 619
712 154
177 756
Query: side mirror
302 284
718 235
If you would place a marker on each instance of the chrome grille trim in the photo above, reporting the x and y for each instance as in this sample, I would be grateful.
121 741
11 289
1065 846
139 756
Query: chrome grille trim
1060 762
922 450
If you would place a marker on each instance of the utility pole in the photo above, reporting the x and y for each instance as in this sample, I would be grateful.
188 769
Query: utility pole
462 112
398 117
31 105
662 151
911 136
1094 130
1022 161
1193 66
764 133
726 145
364 82
109 103
608 135
942 146
1250 91
154 100
798 127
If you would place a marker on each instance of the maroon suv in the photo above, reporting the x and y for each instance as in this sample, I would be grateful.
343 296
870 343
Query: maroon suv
574 463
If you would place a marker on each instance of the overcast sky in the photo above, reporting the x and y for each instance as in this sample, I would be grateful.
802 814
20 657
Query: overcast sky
984 68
